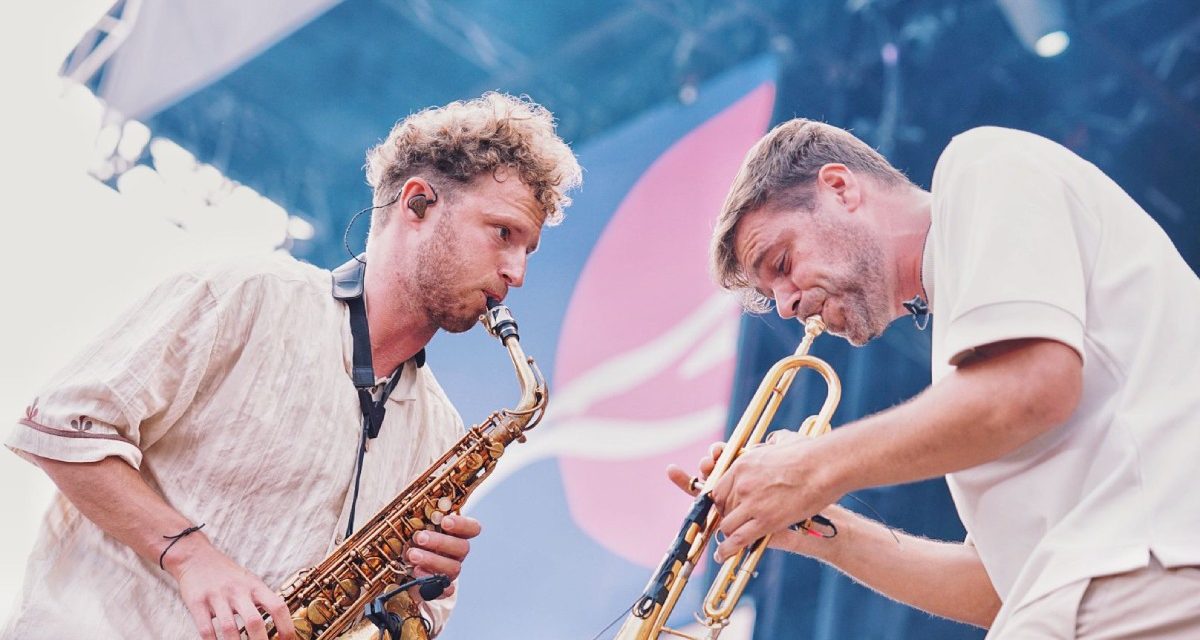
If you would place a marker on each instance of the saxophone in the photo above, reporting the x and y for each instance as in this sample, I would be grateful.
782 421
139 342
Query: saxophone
327 601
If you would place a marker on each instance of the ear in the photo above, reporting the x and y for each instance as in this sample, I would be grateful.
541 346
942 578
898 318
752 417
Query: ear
840 182
416 197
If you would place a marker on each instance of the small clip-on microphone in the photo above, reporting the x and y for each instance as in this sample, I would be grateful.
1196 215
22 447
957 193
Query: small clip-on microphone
430 587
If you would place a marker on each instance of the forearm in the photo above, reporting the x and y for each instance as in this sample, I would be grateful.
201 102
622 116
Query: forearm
117 499
942 578
977 414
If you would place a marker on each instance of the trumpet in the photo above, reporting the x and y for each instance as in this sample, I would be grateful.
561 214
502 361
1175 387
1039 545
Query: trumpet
648 616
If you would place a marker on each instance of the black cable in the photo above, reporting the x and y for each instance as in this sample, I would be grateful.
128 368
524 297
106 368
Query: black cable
350 225
362 452
618 619
890 528
373 411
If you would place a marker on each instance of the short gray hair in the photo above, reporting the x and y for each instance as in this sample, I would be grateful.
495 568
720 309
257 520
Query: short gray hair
779 171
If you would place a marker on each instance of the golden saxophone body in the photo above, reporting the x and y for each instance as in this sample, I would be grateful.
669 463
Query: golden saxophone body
648 618
328 601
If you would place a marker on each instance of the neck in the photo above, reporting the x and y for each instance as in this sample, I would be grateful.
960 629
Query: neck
398 329
908 224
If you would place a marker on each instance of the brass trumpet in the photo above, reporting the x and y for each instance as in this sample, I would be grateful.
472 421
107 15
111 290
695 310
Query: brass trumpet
648 618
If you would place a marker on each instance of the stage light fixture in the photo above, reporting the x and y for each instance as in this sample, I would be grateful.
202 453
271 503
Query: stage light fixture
1040 25
1052 44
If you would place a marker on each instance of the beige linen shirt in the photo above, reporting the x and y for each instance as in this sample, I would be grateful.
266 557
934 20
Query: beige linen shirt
229 390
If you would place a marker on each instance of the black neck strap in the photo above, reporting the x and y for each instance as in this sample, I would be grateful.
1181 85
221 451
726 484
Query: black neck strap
348 287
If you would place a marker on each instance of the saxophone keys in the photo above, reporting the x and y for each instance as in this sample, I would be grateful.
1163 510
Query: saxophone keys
373 563
347 591
436 518
395 548
444 504
495 448
319 612
304 628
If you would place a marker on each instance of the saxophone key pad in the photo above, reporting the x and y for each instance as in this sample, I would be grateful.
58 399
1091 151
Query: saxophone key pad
319 611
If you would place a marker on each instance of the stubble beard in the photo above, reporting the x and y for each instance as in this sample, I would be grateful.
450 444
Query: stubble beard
864 288
439 274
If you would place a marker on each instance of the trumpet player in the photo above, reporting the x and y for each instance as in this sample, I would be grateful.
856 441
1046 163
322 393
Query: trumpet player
217 439
1065 404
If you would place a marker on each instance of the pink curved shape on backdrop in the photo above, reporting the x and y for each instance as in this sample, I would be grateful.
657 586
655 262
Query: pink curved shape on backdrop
647 273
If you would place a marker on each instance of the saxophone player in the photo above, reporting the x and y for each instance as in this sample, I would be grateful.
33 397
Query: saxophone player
1064 405
214 441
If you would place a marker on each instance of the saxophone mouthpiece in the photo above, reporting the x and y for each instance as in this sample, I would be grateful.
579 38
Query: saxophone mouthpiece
499 320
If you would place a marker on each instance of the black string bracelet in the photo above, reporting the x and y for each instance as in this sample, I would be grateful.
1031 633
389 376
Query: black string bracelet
176 538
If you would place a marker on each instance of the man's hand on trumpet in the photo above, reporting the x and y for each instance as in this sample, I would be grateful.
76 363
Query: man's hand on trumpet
765 491
691 484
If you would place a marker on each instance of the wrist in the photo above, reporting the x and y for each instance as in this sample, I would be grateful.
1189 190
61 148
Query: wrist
833 477
832 549
184 552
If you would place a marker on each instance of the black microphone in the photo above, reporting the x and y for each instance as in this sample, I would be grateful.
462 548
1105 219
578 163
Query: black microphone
919 310
376 612
434 586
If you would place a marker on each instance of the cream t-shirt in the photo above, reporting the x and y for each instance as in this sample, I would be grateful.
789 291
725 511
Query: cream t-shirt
1028 240
229 389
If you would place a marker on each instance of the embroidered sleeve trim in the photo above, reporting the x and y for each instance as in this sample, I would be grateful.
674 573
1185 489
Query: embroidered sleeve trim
71 433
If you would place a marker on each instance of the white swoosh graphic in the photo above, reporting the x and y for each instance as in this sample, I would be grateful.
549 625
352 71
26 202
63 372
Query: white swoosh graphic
705 339
626 371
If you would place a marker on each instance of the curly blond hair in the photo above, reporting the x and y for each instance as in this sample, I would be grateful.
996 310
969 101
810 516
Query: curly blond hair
779 172
467 138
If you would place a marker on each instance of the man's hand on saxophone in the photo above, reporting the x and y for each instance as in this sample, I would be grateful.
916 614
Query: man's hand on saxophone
443 553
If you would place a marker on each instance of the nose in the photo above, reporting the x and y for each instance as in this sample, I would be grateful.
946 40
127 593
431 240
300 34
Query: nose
787 301
513 268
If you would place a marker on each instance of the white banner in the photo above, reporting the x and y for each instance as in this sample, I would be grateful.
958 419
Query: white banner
179 46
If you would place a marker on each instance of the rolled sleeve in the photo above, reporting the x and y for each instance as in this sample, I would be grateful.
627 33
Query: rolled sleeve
1012 255
994 323
86 438
120 394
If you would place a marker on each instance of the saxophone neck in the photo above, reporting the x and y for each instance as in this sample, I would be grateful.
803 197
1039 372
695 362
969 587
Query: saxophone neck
499 322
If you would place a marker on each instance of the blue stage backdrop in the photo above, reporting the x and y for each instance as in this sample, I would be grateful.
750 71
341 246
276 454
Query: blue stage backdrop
649 363
639 349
